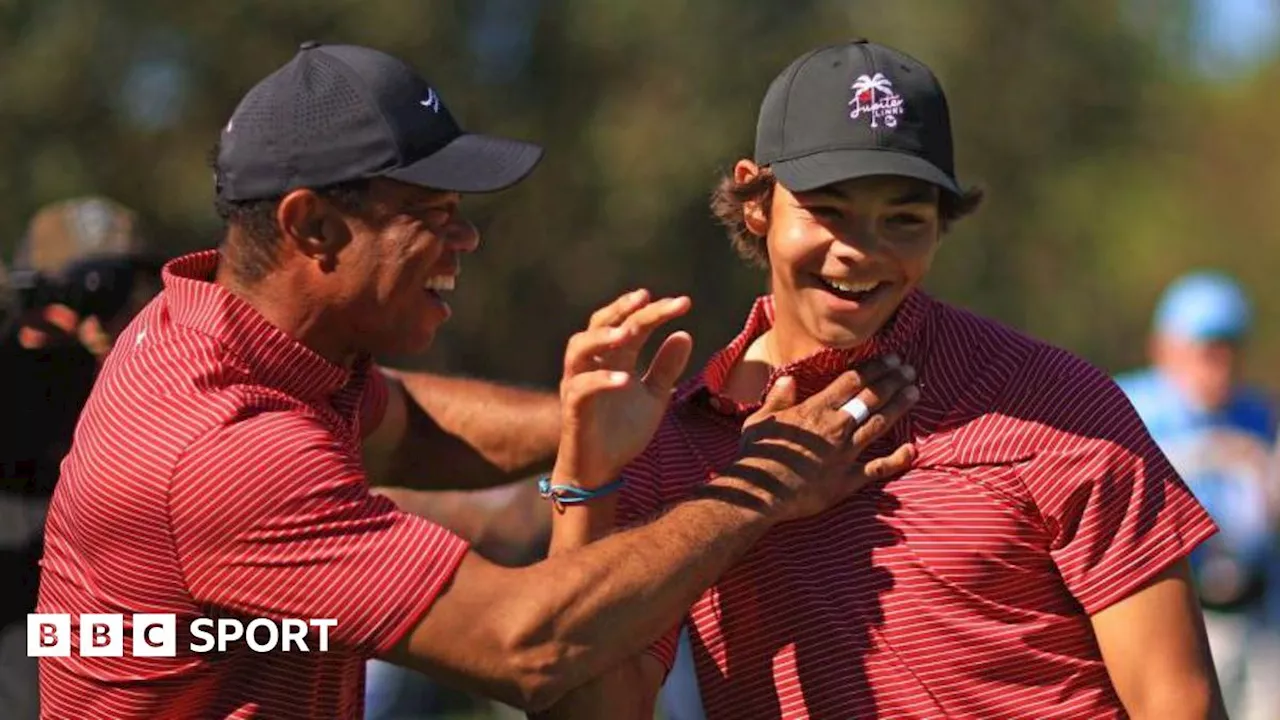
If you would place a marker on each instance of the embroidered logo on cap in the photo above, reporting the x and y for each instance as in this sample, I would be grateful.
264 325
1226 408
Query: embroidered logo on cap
873 96
431 101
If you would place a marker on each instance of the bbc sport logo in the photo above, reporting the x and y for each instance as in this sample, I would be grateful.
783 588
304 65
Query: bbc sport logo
156 635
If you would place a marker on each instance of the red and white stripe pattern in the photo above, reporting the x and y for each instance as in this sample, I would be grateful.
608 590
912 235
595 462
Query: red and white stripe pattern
216 472
963 588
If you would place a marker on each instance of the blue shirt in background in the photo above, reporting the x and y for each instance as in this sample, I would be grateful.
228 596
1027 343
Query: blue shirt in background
1225 458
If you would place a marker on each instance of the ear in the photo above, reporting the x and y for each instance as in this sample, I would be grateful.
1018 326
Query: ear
312 226
754 214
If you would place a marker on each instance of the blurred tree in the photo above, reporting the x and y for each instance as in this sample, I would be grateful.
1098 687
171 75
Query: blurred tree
1109 166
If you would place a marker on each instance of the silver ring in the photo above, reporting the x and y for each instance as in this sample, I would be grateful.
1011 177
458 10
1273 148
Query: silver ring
857 409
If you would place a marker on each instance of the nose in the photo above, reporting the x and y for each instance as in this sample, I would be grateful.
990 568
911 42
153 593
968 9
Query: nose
856 238
462 236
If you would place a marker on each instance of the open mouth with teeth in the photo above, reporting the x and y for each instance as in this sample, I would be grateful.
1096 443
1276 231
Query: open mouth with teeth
859 292
440 283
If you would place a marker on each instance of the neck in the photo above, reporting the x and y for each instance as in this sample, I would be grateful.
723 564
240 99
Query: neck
777 347
786 344
290 303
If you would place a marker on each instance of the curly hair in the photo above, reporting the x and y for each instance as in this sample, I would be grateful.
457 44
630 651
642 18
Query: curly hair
253 252
730 196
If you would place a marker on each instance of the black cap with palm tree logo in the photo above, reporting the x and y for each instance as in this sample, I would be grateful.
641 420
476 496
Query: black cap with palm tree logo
853 110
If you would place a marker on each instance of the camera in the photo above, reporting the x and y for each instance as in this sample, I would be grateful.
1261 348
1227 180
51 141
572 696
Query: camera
99 287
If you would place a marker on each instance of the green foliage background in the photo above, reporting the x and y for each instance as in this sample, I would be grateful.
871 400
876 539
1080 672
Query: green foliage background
1111 164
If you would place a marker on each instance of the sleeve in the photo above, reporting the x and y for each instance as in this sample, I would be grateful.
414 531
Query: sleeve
272 517
639 502
1115 511
664 648
373 402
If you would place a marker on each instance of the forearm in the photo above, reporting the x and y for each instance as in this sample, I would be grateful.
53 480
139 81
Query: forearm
626 692
630 689
508 525
468 434
591 608
583 524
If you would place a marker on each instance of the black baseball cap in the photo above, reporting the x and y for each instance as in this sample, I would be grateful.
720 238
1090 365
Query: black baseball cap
336 113
852 110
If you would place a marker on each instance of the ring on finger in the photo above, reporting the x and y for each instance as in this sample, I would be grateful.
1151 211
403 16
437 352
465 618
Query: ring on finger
857 409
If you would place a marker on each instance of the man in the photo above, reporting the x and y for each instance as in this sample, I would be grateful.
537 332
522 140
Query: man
216 472
1030 564
82 271
1217 432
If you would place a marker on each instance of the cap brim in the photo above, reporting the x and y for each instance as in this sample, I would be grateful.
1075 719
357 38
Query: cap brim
473 164
825 168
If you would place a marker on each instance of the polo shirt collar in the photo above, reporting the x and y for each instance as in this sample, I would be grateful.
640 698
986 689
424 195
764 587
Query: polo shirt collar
273 357
811 373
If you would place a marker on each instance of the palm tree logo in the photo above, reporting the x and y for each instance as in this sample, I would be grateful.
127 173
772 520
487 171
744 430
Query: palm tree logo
887 106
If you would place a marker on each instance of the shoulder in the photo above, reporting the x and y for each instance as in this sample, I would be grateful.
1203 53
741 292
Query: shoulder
161 391
1027 395
960 323
1026 373
1063 390
155 356
1255 408
1035 365
987 353
264 464
272 441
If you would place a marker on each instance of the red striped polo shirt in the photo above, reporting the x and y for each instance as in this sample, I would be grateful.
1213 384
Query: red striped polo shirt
961 589
216 473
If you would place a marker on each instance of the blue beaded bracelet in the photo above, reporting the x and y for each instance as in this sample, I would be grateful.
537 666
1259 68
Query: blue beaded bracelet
561 495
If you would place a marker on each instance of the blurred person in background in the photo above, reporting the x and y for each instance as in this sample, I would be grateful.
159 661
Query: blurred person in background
82 271
1031 563
1217 431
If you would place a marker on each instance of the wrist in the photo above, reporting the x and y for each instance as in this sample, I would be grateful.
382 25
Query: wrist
566 494
742 486
732 509
566 473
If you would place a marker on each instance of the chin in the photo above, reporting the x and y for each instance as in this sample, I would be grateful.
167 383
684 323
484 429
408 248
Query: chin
843 337
403 344
418 345
844 341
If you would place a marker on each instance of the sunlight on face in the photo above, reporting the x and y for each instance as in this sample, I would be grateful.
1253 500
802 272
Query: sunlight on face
1204 370
844 257
407 256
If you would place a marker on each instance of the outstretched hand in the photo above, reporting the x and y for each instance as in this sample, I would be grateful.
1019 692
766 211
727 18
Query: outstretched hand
610 410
